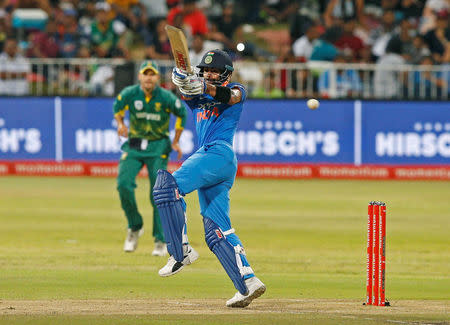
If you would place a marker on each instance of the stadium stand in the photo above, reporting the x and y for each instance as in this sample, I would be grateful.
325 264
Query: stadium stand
396 49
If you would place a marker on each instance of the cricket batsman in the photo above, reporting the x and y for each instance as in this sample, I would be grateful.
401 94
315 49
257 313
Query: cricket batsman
149 108
216 105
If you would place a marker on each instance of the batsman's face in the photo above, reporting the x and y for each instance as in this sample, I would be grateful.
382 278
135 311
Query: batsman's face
211 74
148 80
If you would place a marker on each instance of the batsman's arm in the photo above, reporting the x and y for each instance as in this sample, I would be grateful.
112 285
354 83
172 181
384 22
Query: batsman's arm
226 95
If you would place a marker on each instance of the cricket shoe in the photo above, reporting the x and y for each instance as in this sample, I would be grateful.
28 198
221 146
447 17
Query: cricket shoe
131 242
172 267
160 249
255 289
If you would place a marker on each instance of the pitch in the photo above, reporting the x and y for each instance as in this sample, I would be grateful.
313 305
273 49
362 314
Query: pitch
61 258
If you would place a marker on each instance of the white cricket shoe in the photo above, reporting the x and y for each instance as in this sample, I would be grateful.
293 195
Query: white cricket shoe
131 242
172 267
160 249
255 289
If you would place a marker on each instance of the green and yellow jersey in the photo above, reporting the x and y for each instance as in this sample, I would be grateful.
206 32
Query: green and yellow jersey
150 116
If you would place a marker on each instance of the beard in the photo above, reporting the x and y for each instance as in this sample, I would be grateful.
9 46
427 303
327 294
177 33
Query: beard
148 87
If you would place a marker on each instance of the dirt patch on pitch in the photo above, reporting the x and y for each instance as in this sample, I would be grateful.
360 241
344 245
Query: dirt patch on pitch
216 306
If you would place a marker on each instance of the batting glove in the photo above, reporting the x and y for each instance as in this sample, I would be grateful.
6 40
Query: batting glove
179 77
193 86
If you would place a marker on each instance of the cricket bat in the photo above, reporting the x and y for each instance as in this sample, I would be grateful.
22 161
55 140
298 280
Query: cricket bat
179 47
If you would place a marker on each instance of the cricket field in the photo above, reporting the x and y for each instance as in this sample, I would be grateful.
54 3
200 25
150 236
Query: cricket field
61 257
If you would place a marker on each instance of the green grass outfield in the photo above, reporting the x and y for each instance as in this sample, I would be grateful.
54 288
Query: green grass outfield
61 258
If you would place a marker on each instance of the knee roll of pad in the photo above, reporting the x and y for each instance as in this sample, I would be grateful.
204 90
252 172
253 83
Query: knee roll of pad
171 207
226 253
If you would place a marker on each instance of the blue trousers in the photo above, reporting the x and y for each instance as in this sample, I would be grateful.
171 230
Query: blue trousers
211 171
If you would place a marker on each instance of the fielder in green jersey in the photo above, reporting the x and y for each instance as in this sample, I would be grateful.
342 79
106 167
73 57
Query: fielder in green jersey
149 108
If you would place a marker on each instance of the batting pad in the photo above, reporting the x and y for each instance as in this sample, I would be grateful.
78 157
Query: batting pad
226 254
171 207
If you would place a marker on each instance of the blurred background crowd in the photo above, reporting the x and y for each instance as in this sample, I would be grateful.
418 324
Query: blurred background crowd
381 32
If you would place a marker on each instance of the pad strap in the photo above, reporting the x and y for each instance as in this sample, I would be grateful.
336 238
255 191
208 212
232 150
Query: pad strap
227 254
228 232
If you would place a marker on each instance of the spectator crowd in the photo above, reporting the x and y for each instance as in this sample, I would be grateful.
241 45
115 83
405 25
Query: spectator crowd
382 32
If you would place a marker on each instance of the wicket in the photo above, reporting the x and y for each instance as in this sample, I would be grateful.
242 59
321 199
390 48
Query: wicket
376 254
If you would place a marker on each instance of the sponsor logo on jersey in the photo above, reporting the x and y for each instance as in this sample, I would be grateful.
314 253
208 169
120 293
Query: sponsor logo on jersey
138 104
208 105
157 107
149 116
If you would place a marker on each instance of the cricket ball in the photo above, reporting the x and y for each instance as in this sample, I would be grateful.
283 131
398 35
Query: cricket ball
312 103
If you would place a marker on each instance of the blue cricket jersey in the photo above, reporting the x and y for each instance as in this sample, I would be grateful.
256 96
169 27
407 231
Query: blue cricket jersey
211 171
214 120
